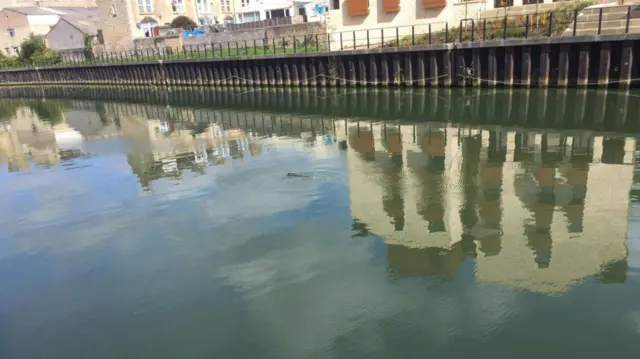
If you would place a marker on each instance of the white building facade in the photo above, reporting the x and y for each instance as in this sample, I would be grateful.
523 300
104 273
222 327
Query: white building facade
258 10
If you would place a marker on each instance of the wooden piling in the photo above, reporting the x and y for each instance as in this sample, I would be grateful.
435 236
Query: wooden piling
583 65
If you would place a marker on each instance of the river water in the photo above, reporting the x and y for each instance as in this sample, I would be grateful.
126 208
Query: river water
419 224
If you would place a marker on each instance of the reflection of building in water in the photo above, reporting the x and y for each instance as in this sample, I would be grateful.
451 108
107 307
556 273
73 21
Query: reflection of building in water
26 137
162 148
167 141
539 211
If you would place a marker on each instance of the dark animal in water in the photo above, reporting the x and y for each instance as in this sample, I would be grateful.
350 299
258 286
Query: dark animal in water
291 174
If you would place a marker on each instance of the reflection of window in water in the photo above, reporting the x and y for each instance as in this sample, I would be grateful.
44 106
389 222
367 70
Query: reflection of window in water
164 127
393 199
169 166
200 156
470 161
361 140
613 150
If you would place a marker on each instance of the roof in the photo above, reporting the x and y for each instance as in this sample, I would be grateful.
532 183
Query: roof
83 18
87 26
84 26
78 12
30 10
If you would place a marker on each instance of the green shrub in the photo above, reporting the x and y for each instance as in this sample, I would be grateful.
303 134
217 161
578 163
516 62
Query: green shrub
183 22
46 57
8 61
88 48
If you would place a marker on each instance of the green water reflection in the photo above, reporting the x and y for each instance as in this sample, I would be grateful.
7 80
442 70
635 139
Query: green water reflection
162 224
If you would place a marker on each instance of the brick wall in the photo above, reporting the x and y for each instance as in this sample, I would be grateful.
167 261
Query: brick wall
159 45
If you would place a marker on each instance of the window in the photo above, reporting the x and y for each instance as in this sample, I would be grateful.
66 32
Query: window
248 17
272 14
502 3
244 3
16 50
148 28
144 6
225 6
203 6
335 4
206 21
177 6
12 32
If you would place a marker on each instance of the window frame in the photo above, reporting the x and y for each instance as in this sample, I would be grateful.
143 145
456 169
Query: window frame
145 6
203 6
178 6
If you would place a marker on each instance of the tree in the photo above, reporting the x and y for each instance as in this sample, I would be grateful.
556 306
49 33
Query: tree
88 47
183 22
33 50
31 46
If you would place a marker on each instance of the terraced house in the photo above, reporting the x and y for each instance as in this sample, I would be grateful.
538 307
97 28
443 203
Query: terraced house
351 23
125 20
377 21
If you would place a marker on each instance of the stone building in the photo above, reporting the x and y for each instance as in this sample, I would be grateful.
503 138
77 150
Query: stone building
122 21
21 22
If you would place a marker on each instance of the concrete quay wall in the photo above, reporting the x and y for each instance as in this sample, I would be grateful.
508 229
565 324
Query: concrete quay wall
571 61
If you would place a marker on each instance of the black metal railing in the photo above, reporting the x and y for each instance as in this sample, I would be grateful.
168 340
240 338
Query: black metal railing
563 22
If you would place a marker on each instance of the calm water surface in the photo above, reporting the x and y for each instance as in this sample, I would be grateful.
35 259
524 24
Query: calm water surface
440 224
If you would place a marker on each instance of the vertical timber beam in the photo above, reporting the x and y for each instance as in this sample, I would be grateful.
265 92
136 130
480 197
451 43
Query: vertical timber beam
526 66
543 81
605 64
508 66
583 66
626 64
492 67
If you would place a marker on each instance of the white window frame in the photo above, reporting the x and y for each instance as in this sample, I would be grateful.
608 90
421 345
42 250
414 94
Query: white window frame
225 6
241 16
145 6
203 6
178 6
287 13
245 3
148 26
